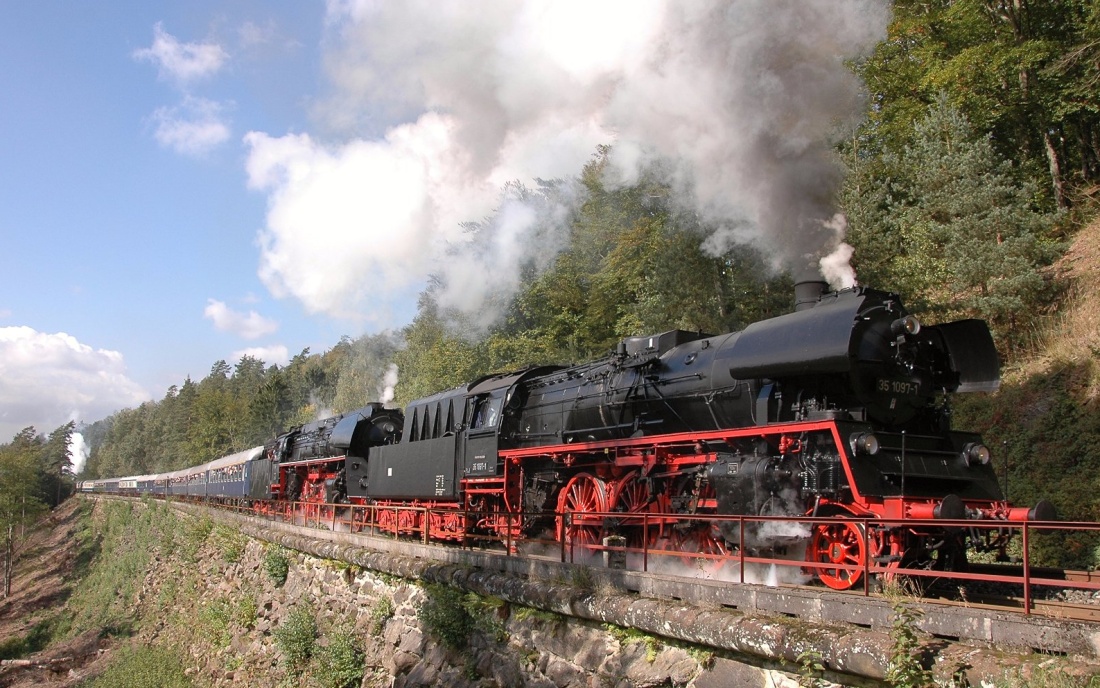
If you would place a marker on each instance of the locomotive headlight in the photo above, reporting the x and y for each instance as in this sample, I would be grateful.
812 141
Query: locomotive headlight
905 326
864 443
976 454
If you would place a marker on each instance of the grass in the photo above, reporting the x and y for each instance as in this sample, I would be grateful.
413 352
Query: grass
127 541
144 667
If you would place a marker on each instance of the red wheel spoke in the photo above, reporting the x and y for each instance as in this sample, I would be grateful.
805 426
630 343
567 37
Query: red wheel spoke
584 494
841 544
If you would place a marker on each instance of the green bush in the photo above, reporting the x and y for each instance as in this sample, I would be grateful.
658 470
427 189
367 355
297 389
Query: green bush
905 669
38 638
231 543
296 637
214 618
276 564
340 663
195 535
245 613
380 613
443 614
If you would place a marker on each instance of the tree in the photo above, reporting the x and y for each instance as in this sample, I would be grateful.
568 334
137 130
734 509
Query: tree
363 371
55 464
949 223
1023 71
19 496
435 357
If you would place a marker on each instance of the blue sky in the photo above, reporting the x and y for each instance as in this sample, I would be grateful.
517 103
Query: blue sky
187 182
117 234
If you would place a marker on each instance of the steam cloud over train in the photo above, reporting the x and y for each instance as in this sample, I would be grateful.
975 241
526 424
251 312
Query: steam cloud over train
837 409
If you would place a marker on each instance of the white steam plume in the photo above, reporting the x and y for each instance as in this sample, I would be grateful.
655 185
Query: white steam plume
437 104
78 452
389 383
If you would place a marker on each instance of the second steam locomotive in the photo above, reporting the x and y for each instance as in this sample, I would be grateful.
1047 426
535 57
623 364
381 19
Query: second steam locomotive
837 409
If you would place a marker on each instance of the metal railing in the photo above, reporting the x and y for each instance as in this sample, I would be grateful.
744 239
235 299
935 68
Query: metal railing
690 545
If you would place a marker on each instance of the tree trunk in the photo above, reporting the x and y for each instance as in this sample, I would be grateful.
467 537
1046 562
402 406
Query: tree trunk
1055 170
7 561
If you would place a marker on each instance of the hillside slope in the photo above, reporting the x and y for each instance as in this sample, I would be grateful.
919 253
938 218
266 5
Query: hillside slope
1044 423
49 565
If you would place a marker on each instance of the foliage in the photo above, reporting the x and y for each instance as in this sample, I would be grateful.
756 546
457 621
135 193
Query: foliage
1047 435
244 614
1044 677
443 614
905 669
339 663
214 618
948 224
523 613
37 638
230 542
627 636
296 637
144 667
380 612
276 564
811 668
1024 72
34 476
195 533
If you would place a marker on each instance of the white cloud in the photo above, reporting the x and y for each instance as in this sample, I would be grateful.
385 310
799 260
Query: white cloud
47 380
192 128
182 62
247 326
276 354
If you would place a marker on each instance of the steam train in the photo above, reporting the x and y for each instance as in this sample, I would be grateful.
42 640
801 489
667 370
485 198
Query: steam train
836 409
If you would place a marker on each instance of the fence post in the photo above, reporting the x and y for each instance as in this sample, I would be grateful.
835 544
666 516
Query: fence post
1027 574
866 534
741 545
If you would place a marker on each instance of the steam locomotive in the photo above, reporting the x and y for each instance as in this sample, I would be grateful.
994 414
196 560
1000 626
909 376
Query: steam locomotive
836 409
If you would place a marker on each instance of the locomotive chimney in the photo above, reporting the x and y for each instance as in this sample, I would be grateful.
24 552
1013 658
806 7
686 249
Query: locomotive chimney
807 292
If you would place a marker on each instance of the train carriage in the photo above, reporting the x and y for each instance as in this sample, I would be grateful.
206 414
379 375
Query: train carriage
230 476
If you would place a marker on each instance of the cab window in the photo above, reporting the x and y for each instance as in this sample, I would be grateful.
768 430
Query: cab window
486 413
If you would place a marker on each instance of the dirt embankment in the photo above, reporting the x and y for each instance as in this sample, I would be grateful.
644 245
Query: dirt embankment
49 563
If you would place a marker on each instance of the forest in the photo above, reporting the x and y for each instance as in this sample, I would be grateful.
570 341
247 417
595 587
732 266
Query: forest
976 166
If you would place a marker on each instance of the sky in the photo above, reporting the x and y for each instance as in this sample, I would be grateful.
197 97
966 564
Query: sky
187 182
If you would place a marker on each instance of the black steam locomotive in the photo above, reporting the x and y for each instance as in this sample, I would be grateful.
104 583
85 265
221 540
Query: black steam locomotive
836 409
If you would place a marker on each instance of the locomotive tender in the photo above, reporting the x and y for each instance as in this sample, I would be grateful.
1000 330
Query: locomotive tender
836 409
